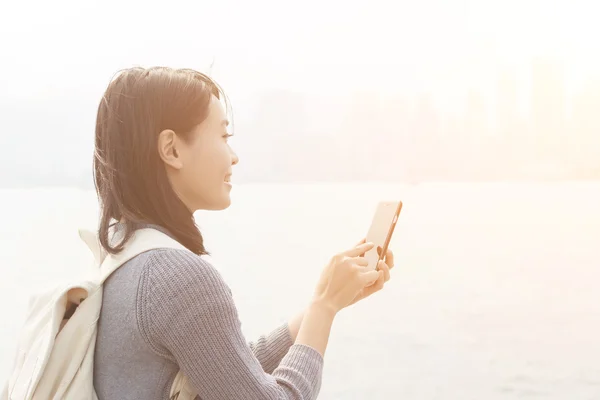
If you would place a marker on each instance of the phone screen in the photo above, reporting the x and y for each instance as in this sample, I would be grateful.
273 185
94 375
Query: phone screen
381 230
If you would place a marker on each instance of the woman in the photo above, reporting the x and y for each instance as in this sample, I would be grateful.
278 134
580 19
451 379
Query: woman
161 153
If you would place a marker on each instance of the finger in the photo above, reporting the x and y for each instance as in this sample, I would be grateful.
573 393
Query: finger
360 261
380 281
369 277
389 258
368 291
380 278
376 286
358 250
383 267
363 240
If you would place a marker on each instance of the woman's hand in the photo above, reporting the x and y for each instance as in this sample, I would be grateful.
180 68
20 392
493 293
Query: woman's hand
345 278
383 268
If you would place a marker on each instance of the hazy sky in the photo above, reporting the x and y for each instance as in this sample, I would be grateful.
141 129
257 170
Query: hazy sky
57 57
54 47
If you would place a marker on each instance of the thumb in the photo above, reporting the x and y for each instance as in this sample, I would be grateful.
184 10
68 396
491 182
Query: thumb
367 278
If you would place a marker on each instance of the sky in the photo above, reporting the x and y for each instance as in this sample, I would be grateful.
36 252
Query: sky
341 44
57 57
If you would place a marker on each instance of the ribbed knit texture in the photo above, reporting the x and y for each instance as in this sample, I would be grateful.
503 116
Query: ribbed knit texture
167 310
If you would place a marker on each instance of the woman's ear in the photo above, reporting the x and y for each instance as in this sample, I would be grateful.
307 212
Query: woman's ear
167 150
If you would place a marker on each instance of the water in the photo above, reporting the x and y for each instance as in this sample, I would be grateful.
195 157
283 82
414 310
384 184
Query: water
494 294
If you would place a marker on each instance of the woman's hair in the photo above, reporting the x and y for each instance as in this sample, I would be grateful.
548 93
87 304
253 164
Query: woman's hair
129 175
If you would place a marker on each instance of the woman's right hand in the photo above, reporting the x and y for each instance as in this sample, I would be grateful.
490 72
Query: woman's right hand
344 277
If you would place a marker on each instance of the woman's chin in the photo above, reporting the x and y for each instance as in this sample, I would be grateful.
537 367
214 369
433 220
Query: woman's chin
217 203
223 204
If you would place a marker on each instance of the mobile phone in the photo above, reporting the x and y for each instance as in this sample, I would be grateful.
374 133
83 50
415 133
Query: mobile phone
381 230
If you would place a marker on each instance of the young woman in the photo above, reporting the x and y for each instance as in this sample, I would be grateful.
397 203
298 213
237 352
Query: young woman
161 153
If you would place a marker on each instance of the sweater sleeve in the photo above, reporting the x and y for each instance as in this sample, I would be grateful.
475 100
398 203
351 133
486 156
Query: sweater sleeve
270 349
188 313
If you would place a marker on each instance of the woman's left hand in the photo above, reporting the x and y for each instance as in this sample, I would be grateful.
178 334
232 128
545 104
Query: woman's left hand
384 267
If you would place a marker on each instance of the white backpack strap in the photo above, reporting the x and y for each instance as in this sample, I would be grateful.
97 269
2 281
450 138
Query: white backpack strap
141 241
93 242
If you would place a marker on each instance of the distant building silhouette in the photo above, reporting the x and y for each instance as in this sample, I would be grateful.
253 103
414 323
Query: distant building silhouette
585 127
548 110
511 138
476 132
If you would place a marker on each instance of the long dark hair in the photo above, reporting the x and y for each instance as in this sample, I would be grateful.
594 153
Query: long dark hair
129 175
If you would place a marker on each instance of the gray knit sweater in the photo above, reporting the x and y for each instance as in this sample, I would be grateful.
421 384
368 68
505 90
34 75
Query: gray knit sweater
167 310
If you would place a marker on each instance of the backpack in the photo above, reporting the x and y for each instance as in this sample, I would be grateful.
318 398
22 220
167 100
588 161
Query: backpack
55 352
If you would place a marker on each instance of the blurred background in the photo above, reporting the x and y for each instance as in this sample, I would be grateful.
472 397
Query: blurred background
378 90
482 116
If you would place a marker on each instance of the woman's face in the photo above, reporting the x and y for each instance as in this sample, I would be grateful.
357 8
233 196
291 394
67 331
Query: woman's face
199 167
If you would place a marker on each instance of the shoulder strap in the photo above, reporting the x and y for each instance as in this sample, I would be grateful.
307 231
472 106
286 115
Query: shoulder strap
142 240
